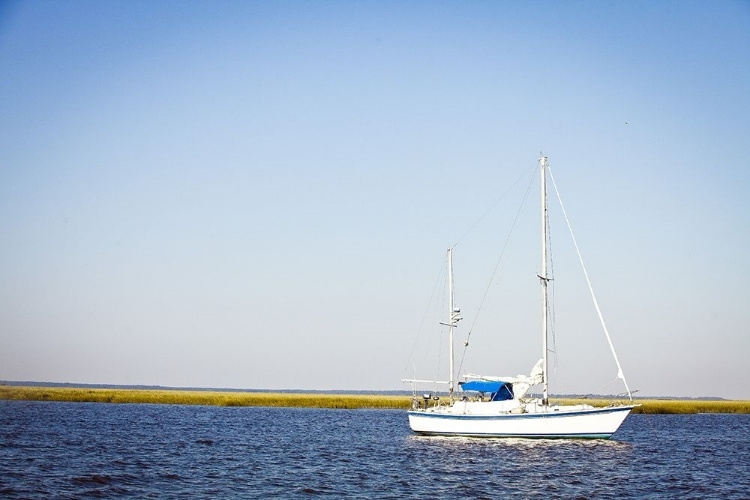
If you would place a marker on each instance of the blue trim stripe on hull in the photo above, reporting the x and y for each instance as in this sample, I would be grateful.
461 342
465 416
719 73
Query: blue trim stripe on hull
524 436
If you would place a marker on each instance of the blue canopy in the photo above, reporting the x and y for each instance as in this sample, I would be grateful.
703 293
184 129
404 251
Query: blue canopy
501 391
481 385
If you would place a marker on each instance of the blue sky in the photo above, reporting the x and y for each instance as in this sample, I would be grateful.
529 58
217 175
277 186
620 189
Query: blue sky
260 194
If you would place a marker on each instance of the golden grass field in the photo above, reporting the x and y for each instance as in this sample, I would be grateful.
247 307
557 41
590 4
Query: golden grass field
308 400
672 406
193 397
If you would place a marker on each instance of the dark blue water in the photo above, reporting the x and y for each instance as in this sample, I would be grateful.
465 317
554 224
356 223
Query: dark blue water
65 450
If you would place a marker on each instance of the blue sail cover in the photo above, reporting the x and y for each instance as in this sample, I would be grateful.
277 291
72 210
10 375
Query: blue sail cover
500 390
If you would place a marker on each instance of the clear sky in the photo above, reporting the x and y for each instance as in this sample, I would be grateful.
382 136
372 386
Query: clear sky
260 194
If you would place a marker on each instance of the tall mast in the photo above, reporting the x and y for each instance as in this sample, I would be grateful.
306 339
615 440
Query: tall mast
454 316
543 277
451 322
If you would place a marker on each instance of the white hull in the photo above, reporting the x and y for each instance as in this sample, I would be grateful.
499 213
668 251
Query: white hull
546 422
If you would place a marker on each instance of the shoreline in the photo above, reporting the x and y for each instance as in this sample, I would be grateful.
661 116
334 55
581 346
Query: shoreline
317 400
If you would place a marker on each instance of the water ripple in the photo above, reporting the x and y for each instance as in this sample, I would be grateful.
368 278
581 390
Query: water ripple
71 450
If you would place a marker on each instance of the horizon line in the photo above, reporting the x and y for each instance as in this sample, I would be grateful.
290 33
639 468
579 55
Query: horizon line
31 383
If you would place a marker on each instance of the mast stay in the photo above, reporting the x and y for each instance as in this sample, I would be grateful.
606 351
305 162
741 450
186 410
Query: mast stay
620 373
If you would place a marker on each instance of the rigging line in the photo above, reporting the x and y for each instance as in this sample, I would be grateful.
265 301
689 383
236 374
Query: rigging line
554 333
494 272
610 391
551 305
620 373
490 209
424 317
441 328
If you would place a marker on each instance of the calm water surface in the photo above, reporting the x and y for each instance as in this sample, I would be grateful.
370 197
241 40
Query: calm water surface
66 450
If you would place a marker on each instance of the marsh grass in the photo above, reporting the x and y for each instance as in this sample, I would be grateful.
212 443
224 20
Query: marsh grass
316 400
672 406
214 398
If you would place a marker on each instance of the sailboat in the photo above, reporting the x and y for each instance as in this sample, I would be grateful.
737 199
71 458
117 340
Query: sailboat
509 410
